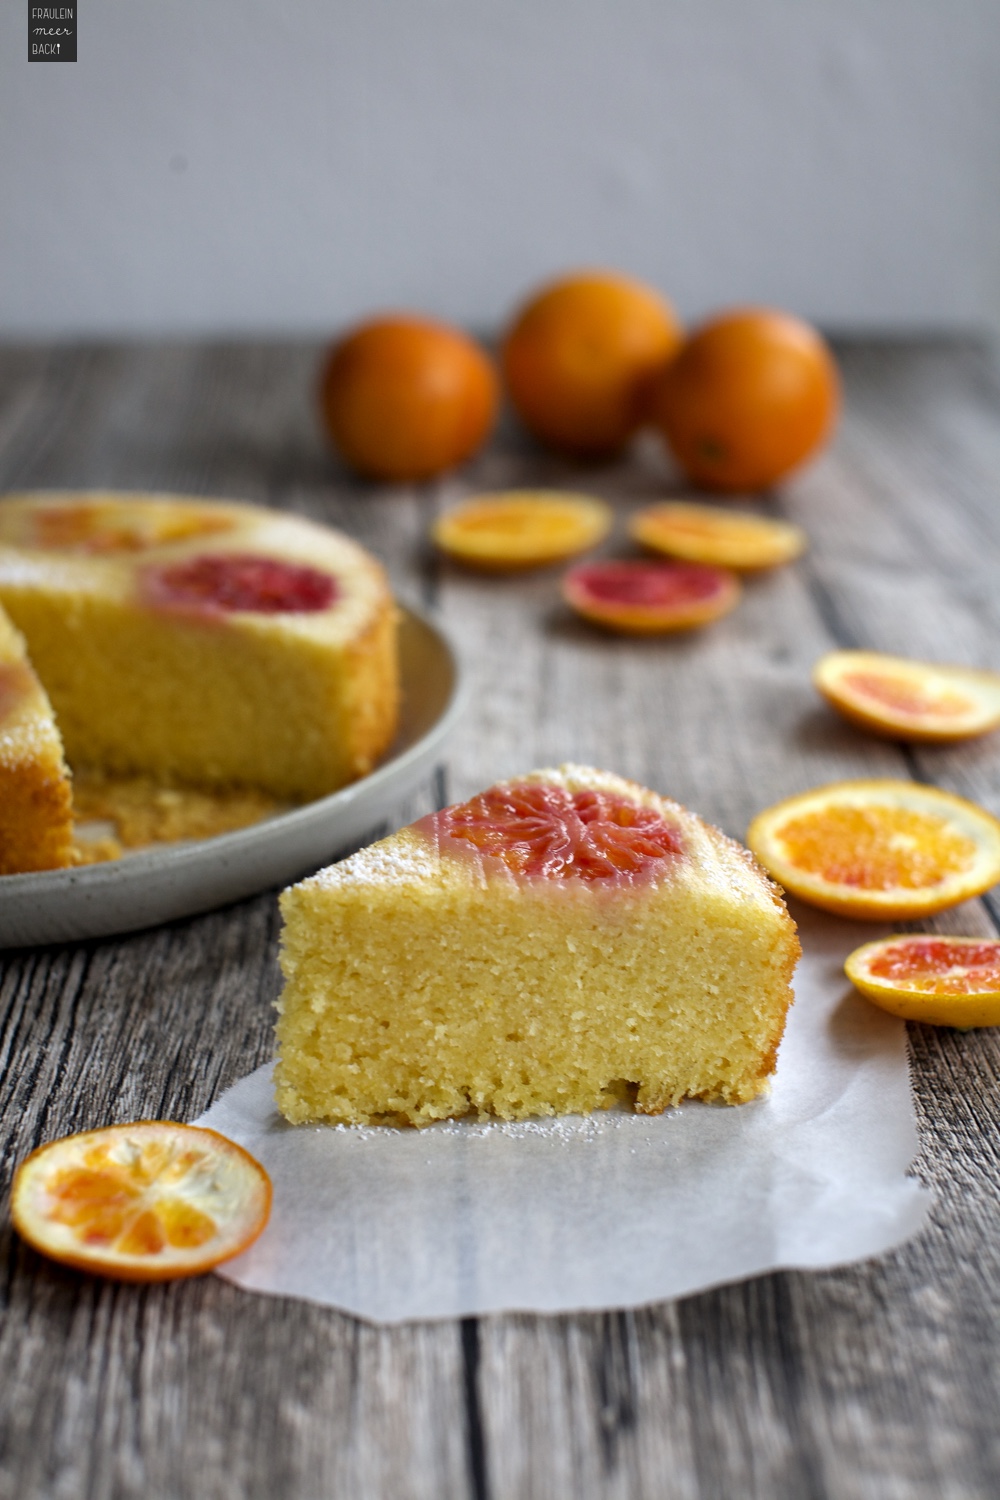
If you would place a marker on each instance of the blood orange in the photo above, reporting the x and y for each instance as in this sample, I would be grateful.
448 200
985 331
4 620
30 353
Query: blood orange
650 598
909 700
944 981
539 830
243 582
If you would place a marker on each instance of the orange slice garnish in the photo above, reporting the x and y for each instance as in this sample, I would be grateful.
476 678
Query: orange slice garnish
879 849
909 700
522 528
943 981
721 538
143 1202
650 598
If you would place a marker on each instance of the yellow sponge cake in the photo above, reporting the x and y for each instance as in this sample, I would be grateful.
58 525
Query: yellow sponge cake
203 642
557 943
36 804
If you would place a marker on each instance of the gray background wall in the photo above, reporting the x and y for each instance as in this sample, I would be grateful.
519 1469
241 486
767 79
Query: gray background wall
286 165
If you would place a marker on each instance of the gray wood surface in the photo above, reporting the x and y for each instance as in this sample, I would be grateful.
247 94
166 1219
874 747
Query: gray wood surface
878 1380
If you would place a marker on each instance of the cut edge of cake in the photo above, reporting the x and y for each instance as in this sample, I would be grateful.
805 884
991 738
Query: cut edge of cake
36 828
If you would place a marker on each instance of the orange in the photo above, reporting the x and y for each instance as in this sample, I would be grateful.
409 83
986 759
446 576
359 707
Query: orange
943 981
750 396
143 1202
522 528
579 356
404 398
909 700
878 849
650 598
721 538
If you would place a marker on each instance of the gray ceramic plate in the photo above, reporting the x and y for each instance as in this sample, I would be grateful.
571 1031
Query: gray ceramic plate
177 880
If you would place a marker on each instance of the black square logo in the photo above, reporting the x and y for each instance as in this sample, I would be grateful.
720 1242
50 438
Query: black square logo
51 31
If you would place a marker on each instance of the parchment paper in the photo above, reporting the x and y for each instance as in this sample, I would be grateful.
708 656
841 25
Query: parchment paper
612 1210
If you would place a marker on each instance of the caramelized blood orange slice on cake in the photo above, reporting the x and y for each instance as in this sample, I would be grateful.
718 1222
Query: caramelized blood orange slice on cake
117 524
720 538
943 981
909 700
144 1202
522 528
878 849
650 598
539 830
224 582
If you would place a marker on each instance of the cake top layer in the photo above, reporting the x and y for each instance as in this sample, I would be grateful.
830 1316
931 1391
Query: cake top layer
204 559
571 827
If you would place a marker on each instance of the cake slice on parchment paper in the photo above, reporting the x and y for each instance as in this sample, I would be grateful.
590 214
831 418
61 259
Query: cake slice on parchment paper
556 944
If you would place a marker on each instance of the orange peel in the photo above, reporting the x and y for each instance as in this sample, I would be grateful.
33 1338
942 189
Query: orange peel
522 528
879 849
650 598
909 700
709 534
942 981
150 1201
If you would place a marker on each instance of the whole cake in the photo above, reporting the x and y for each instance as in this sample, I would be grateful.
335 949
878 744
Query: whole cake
36 804
203 642
558 943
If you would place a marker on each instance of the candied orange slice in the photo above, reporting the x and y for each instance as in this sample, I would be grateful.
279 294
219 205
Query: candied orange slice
721 538
943 981
650 598
909 700
522 528
121 524
879 849
143 1202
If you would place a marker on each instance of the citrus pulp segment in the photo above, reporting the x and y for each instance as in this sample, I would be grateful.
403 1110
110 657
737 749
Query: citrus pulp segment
942 981
144 1202
878 849
522 528
650 598
708 534
910 700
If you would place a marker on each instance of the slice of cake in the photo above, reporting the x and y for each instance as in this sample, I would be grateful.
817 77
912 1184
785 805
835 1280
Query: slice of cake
203 642
36 804
555 944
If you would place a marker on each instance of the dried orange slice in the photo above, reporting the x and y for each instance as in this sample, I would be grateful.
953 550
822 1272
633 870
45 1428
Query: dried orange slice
522 528
708 534
909 700
143 1202
650 598
878 849
943 981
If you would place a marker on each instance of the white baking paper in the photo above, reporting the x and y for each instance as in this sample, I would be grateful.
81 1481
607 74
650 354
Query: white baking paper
611 1210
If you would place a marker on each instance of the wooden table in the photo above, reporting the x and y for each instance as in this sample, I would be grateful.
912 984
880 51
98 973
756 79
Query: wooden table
879 1380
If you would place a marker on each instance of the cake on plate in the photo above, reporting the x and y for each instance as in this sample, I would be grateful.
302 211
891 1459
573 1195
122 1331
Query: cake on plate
203 642
561 942
36 802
